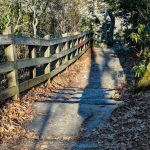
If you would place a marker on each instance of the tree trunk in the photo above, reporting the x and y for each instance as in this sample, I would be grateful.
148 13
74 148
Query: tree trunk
112 27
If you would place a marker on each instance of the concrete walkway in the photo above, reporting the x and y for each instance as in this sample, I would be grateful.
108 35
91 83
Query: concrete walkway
74 112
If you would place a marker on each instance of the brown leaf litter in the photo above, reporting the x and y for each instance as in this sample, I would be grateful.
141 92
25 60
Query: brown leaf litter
129 125
15 114
128 128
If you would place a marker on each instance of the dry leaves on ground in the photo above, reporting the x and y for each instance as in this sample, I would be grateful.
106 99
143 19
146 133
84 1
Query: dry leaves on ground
71 77
15 114
128 128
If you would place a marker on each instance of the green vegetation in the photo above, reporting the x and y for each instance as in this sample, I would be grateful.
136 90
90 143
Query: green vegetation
136 34
42 17
57 17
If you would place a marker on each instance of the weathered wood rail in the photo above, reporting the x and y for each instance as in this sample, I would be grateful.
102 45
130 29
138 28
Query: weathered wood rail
68 48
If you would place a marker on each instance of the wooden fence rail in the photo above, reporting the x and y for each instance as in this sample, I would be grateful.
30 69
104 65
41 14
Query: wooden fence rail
67 50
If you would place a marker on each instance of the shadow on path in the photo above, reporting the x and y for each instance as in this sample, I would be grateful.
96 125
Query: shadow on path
103 79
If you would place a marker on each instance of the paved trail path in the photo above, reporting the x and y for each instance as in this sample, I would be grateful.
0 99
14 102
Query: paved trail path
76 112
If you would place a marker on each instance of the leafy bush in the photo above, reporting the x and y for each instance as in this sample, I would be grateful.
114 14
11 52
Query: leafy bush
140 70
3 22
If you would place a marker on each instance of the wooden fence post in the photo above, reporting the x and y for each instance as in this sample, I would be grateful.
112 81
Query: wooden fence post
84 38
57 52
47 54
32 54
47 66
12 76
71 46
66 48
76 44
81 40
79 49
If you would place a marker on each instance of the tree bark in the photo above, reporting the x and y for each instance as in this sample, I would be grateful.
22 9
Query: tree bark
112 27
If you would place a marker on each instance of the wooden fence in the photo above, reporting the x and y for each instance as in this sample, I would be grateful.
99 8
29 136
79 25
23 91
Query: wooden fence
67 51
